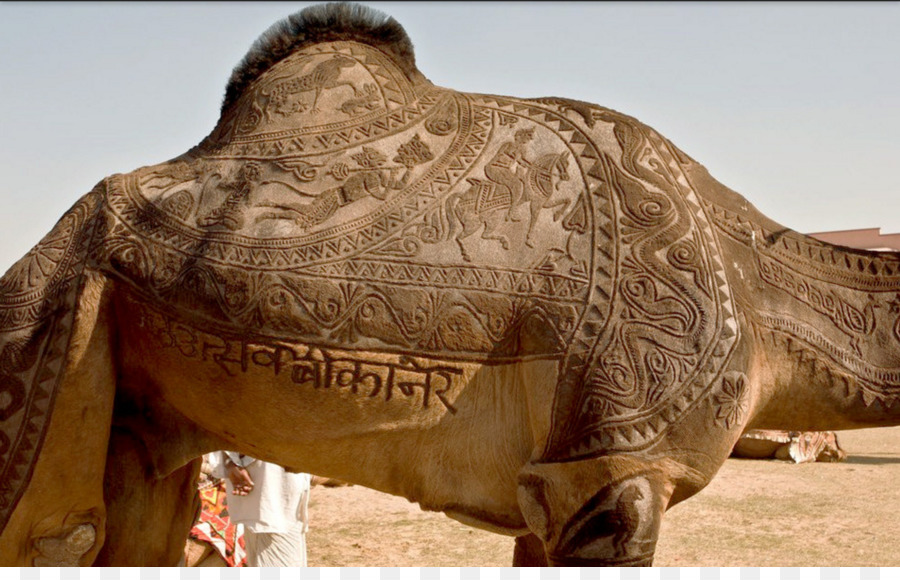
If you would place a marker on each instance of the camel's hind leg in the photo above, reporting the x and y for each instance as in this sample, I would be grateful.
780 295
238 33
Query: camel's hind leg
59 518
148 517
604 511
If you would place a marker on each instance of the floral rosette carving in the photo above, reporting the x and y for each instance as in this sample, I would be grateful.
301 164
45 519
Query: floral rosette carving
731 400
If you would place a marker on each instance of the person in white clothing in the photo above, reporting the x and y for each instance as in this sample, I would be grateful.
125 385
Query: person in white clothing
271 503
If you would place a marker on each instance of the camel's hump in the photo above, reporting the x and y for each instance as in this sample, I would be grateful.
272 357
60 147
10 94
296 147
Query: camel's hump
345 200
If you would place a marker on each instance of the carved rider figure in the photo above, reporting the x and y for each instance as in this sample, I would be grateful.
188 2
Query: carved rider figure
502 168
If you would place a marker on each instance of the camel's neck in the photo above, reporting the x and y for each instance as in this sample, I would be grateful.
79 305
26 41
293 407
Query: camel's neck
826 324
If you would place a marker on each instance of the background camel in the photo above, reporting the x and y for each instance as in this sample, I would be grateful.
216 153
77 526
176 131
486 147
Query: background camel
794 446
566 391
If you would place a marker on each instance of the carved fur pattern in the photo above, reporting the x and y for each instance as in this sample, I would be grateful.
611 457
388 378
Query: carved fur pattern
277 101
616 526
848 318
731 400
316 24
809 346
633 370
37 299
854 269
409 319
831 289
141 232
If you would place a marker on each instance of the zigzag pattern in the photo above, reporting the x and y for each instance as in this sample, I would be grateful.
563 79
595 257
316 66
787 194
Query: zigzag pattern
25 431
705 224
127 202
550 286
19 463
835 264
395 87
861 379
634 430
317 142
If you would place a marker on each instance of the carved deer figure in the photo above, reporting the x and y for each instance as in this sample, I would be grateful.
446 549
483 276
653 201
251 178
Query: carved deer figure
568 406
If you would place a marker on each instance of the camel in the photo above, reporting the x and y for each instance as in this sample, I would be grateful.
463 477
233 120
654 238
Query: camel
792 446
566 389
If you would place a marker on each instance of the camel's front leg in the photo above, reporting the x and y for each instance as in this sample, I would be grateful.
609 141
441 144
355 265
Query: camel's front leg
148 518
529 552
596 512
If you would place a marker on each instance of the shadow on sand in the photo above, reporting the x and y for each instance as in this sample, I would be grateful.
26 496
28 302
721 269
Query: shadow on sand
872 459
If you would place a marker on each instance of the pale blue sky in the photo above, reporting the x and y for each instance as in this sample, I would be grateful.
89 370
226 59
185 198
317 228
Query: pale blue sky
794 105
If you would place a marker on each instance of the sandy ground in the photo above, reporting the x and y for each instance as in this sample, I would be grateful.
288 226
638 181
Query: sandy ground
754 513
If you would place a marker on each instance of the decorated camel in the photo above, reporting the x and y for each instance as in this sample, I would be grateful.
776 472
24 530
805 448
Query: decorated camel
537 316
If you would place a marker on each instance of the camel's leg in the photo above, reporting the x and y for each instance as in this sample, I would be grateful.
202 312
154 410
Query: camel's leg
148 518
529 552
59 519
604 511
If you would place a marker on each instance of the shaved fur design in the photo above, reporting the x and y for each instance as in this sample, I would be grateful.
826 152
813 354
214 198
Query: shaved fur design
322 23
538 316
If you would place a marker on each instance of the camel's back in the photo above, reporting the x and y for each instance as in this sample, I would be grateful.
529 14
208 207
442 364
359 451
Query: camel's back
345 201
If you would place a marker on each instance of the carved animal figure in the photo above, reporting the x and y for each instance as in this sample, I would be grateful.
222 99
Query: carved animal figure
791 446
325 75
566 391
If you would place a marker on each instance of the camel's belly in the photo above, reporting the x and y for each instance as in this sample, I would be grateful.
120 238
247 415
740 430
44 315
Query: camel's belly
312 391
386 420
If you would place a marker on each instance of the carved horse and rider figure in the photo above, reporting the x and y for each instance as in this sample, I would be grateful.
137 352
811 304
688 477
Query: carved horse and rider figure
512 181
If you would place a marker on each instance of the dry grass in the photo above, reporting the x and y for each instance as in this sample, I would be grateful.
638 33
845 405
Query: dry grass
755 513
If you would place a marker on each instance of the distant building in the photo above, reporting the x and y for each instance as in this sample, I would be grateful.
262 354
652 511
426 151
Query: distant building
864 239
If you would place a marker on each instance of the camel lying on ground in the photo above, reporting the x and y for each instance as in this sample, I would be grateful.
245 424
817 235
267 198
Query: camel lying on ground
538 316
794 446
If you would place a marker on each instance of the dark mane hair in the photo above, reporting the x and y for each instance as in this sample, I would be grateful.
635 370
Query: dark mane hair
321 23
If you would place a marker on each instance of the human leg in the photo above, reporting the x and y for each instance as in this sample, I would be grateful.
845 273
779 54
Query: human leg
286 549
